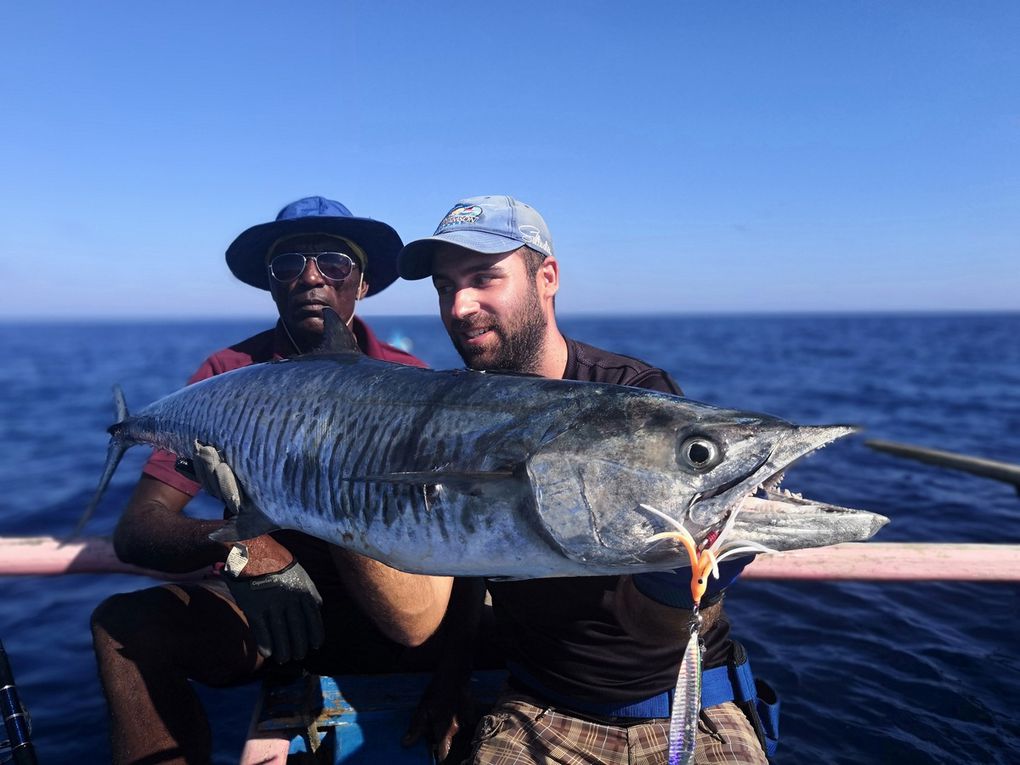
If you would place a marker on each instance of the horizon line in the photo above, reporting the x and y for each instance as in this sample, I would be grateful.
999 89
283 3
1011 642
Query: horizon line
777 313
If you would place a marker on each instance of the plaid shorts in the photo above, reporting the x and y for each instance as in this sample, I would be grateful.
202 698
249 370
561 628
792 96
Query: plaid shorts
520 731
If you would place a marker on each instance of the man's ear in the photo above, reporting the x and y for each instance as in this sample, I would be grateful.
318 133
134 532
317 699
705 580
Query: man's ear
549 277
362 290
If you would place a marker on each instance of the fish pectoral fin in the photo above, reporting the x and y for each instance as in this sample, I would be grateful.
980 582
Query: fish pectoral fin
472 482
250 523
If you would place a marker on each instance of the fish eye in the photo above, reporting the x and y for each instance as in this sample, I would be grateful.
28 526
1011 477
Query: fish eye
698 453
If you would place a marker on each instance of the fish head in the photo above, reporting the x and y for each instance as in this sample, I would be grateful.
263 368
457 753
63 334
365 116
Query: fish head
694 464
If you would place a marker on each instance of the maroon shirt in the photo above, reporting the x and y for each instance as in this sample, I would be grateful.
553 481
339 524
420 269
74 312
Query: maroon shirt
562 632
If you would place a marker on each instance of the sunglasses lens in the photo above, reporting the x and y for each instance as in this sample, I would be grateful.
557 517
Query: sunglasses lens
335 266
287 267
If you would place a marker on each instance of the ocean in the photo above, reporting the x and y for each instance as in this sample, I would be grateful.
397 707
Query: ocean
867 672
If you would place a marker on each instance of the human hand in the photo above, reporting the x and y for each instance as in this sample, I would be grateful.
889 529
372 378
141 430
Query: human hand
673 588
444 708
282 609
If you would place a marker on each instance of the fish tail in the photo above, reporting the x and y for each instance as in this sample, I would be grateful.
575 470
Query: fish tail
119 406
114 453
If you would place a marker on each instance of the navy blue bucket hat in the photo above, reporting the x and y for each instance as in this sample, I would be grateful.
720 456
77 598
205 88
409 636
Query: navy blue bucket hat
246 256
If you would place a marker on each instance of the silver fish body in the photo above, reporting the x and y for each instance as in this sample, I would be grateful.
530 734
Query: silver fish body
480 474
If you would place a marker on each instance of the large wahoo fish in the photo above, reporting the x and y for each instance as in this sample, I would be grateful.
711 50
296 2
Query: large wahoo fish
482 474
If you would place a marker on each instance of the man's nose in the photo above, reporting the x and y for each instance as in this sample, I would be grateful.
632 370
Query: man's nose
465 303
310 274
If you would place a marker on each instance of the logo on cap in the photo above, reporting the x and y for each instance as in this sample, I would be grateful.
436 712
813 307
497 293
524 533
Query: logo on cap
532 235
461 215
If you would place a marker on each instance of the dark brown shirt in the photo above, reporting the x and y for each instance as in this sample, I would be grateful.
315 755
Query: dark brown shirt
562 632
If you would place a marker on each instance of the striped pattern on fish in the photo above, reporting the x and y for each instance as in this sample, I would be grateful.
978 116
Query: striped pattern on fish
470 473
296 432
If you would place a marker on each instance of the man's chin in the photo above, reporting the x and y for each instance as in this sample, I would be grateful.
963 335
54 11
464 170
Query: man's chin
306 328
307 323
473 356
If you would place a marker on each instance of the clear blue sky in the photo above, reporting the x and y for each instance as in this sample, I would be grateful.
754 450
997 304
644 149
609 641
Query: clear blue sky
688 156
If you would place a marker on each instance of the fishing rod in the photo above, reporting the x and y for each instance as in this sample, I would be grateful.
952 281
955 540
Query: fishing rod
16 721
1006 472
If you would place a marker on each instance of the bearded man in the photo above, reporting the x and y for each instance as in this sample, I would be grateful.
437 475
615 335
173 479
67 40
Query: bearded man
592 661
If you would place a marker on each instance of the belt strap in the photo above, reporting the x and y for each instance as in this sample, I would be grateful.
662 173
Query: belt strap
733 682
716 688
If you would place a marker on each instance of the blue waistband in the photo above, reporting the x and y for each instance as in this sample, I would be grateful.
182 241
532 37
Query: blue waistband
733 682
716 688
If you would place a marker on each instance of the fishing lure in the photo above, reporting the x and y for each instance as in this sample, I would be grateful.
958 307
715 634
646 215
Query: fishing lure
683 718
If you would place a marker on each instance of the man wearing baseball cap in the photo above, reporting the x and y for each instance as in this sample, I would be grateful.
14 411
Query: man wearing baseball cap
592 660
150 644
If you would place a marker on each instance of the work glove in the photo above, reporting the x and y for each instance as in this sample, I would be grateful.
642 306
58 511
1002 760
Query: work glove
673 588
282 607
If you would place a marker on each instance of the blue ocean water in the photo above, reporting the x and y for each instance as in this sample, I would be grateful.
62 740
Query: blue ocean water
904 673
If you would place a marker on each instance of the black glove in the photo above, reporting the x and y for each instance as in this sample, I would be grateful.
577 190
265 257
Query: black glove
282 609
283 606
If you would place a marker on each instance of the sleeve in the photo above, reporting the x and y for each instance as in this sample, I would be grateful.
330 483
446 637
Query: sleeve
161 464
402 357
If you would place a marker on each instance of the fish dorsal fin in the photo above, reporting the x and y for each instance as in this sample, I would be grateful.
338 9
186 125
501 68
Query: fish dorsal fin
337 337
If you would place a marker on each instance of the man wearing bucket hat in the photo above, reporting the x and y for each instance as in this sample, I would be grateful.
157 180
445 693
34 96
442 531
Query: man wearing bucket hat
149 644
592 660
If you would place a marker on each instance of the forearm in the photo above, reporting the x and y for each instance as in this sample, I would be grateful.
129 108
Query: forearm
153 532
408 608
173 543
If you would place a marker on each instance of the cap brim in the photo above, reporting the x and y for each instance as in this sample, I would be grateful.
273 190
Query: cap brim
415 260
246 256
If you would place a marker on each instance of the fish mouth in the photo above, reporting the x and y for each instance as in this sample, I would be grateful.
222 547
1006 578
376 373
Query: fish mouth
756 509
786 521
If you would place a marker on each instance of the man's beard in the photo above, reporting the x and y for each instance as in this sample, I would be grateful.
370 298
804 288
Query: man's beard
520 345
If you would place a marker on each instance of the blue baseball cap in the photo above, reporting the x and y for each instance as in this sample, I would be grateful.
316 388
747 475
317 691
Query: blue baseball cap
482 224
246 256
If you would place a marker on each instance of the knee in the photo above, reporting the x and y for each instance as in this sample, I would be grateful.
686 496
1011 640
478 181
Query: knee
125 621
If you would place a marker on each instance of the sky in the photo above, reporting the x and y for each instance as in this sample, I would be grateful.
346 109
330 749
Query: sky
688 157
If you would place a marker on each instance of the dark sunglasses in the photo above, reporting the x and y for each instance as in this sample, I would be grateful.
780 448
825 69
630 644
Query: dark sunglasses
288 266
